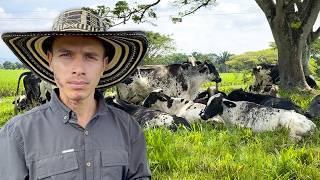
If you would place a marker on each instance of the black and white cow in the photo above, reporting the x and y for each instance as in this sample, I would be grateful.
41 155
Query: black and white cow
267 78
203 96
45 91
20 104
148 118
176 80
265 100
313 110
32 91
257 117
181 107
37 91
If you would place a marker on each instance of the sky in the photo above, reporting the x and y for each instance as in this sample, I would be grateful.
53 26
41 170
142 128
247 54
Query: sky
231 25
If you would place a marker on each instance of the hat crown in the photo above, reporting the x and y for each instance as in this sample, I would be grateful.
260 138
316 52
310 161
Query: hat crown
79 20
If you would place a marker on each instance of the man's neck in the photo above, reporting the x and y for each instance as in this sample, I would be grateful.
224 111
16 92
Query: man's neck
84 109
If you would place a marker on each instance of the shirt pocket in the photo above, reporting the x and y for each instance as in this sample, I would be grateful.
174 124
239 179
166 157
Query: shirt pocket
114 164
63 166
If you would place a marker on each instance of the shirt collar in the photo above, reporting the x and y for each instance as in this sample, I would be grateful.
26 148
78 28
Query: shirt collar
66 113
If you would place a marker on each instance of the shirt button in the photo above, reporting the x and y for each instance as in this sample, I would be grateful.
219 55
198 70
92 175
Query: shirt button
86 132
88 164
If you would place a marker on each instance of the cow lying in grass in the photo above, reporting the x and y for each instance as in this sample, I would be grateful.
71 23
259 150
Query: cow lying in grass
148 118
267 79
257 117
314 108
176 80
265 100
181 107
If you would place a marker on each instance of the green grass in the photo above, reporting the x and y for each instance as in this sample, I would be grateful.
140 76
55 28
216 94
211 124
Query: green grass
9 81
6 109
217 152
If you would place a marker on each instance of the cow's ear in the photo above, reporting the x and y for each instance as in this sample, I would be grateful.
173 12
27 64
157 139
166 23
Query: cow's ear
229 104
185 65
198 62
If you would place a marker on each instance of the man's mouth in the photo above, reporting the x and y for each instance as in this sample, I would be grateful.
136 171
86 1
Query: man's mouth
78 84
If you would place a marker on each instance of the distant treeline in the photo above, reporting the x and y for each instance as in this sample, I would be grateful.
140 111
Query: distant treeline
11 65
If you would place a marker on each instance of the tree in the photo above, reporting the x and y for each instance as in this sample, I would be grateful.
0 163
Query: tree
204 57
248 60
139 13
291 23
221 59
122 13
173 58
8 65
159 45
17 65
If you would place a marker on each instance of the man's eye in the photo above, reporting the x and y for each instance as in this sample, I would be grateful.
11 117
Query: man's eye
91 58
65 55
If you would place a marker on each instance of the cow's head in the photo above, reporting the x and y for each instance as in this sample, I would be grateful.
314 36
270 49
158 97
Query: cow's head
154 97
20 103
314 108
209 69
238 95
213 108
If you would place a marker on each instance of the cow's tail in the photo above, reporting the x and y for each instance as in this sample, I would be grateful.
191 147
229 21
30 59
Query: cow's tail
17 91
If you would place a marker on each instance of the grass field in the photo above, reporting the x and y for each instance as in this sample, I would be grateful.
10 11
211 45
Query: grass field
9 81
216 152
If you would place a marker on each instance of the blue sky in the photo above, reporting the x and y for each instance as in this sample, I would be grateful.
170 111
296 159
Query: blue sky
232 25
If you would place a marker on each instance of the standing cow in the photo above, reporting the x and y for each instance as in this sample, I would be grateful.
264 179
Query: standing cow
176 80
36 90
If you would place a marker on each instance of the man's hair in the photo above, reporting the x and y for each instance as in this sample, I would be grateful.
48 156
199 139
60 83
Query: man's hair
108 49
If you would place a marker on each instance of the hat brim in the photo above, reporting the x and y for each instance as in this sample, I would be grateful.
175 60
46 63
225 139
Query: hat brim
129 49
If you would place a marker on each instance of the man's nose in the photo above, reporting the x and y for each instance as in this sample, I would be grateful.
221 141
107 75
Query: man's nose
78 66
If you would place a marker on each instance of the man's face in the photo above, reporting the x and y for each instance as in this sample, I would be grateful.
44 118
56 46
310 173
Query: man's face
78 63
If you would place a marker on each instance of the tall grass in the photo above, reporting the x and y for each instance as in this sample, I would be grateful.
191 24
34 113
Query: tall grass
9 82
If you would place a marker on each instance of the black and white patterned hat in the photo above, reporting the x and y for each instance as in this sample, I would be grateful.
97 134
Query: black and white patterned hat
127 47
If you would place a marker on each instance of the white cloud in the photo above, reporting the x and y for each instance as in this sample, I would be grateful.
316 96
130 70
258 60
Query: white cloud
232 25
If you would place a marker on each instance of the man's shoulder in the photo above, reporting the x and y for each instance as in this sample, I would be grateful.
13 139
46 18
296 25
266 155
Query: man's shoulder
25 118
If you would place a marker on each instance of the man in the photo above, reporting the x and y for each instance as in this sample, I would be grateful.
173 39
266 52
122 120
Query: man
75 135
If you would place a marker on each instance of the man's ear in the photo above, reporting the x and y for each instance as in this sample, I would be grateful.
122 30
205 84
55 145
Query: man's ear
105 63
49 58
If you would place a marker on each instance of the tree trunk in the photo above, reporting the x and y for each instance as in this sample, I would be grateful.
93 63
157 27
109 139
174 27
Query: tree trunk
306 60
290 66
291 23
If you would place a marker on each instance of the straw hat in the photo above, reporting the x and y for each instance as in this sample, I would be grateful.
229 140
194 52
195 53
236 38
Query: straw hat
127 47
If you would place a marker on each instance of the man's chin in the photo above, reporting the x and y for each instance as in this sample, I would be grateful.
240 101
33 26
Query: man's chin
78 96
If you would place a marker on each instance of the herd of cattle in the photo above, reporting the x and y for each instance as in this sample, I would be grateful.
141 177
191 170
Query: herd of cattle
170 95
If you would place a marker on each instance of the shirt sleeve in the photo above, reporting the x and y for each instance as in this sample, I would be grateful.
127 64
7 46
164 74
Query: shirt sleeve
138 163
12 161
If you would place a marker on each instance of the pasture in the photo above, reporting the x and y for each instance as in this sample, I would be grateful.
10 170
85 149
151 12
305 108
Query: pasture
216 152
